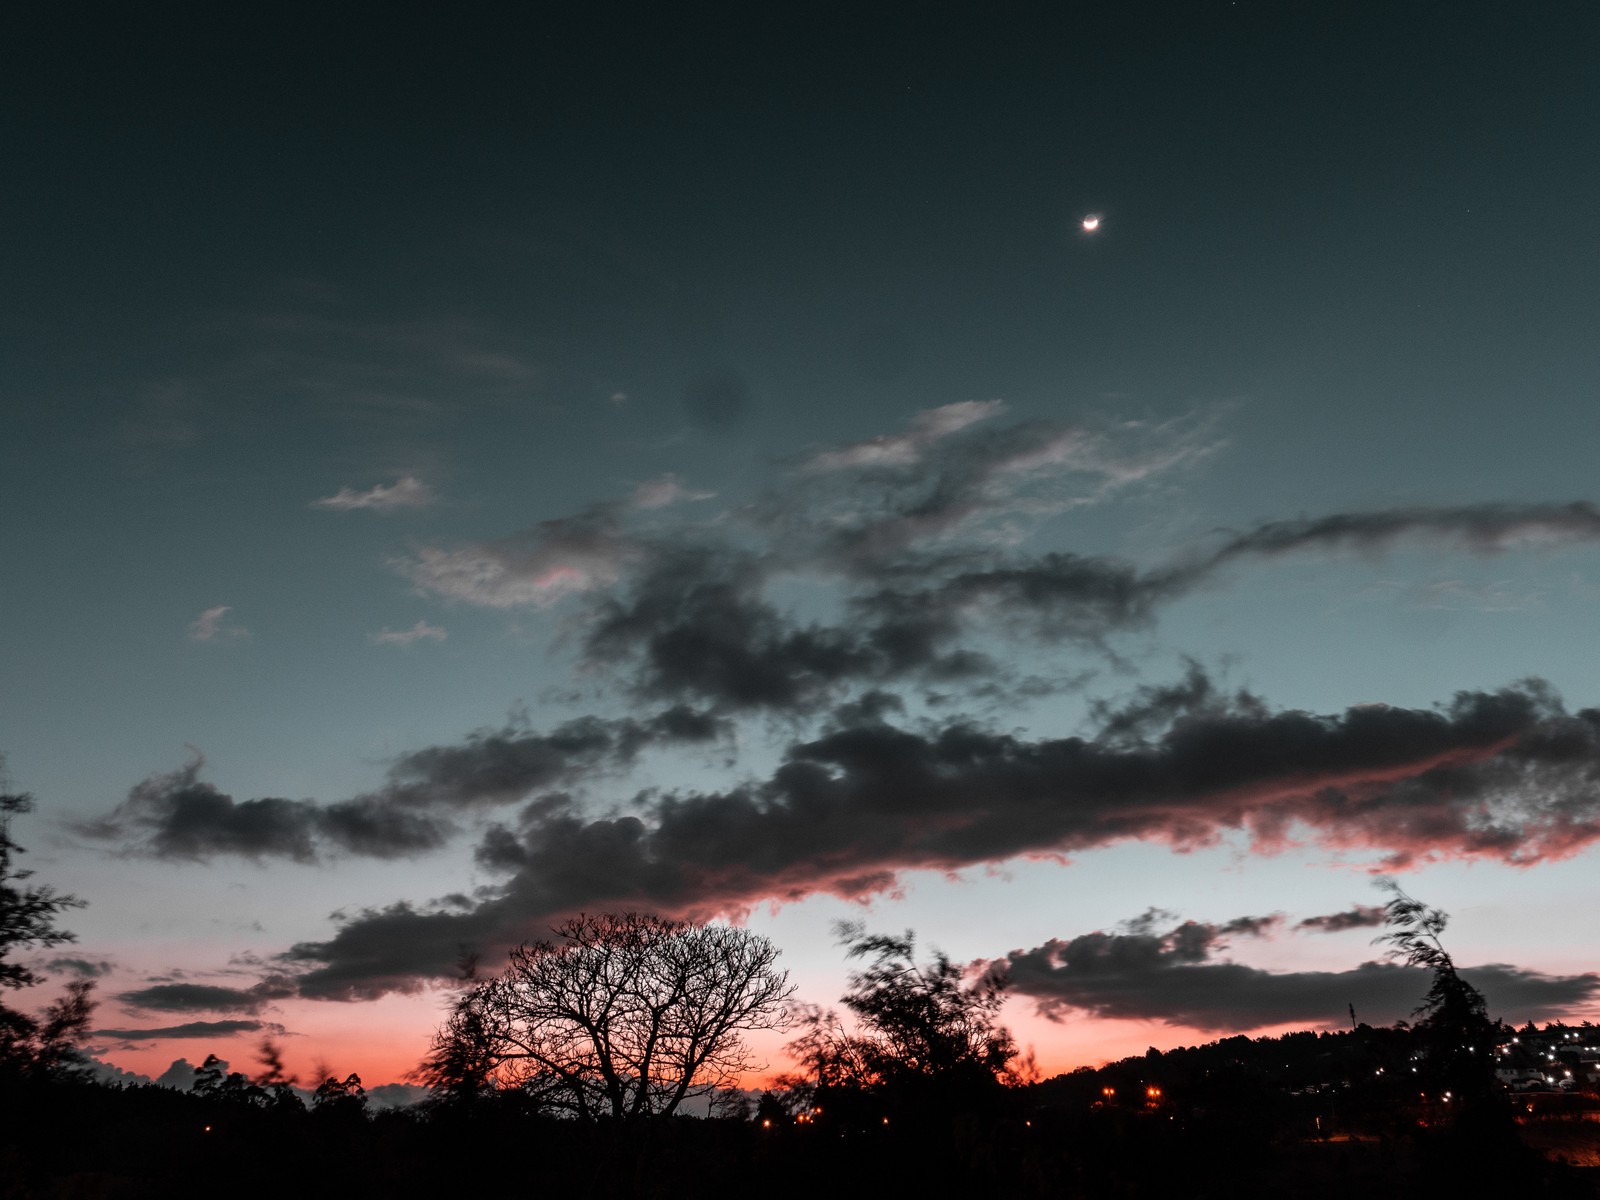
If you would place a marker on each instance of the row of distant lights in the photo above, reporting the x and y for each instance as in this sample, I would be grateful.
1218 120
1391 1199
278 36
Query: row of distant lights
808 1118
1153 1094
1549 1057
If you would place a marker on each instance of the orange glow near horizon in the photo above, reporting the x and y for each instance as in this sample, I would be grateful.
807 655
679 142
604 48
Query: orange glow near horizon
380 1040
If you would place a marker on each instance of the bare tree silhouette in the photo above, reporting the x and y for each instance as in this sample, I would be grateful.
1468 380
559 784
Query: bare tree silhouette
623 1016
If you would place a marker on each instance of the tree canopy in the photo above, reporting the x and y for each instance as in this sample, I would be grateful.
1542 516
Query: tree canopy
927 1039
1455 1019
28 915
28 912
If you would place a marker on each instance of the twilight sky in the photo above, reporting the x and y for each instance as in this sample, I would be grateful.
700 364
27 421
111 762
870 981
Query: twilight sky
464 467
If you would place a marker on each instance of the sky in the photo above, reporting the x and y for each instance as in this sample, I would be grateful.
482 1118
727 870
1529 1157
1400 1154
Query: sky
465 467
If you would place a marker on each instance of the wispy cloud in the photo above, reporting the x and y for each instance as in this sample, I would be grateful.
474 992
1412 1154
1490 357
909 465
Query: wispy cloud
904 449
190 1029
205 997
664 491
212 626
421 631
1360 916
406 492
534 568
1483 528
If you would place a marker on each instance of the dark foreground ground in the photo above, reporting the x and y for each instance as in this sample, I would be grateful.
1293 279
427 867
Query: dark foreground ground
72 1141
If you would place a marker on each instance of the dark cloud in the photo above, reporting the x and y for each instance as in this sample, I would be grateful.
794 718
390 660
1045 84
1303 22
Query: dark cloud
914 528
193 1029
503 766
203 997
178 815
916 533
377 827
1058 597
1507 775
1154 708
80 966
1257 927
182 816
698 623
1174 975
1483 528
1360 916
870 708
696 626
899 525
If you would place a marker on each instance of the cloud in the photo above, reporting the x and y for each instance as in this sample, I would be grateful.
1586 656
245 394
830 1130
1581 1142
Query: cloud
1174 975
1360 916
503 766
205 997
178 815
918 538
108 1073
537 567
210 626
951 481
1505 775
397 1095
1055 597
904 449
1257 927
695 621
697 627
664 491
916 530
917 533
406 492
421 631
181 1074
1482 528
79 966
192 1029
